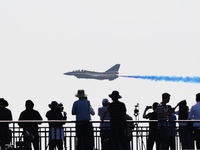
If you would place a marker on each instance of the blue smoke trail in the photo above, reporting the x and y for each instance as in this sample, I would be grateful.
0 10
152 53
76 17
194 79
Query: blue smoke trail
186 79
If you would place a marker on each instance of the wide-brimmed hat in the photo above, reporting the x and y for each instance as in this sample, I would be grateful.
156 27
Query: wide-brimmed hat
115 94
53 105
3 102
81 93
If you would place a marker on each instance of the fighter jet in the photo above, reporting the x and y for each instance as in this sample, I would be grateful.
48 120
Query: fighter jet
110 74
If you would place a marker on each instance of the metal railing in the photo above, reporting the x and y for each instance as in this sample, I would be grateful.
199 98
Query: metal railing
138 141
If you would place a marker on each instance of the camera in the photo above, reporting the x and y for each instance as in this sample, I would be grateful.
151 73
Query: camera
136 110
149 107
60 107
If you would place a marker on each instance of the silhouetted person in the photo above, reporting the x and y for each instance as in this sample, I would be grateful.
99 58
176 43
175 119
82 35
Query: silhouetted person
30 130
153 127
172 128
56 130
104 126
5 114
117 111
84 129
195 115
185 128
163 126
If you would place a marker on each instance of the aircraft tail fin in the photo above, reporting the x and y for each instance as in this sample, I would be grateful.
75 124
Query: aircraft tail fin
114 69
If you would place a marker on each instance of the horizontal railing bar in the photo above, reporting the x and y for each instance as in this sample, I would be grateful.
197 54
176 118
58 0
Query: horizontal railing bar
64 121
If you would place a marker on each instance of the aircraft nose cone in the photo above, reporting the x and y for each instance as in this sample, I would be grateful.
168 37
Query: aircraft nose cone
67 73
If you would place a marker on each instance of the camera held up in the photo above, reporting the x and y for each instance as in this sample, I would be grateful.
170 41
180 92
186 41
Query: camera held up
149 107
60 107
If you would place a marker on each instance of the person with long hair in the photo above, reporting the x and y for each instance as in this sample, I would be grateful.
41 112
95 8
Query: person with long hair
185 133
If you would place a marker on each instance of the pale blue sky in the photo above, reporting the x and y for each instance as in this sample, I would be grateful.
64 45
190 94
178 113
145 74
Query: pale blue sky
40 40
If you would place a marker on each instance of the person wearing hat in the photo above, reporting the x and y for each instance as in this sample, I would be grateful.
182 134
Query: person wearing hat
117 112
5 132
104 126
84 129
30 130
56 131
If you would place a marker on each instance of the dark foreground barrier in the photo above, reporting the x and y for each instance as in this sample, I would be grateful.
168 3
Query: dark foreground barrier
138 135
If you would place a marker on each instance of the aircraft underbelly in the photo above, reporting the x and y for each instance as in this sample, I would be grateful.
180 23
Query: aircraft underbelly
110 74
98 77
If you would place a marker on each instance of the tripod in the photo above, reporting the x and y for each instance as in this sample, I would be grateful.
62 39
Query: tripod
139 138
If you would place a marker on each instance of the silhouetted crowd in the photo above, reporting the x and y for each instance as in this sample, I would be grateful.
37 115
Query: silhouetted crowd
115 127
163 132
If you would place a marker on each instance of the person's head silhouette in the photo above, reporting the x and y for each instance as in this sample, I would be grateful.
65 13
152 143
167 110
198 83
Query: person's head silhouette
114 95
3 102
29 104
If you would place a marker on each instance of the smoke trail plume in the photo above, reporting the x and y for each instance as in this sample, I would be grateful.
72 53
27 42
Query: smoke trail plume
186 79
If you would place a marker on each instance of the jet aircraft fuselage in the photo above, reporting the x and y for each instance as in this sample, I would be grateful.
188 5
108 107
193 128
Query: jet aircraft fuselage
110 74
